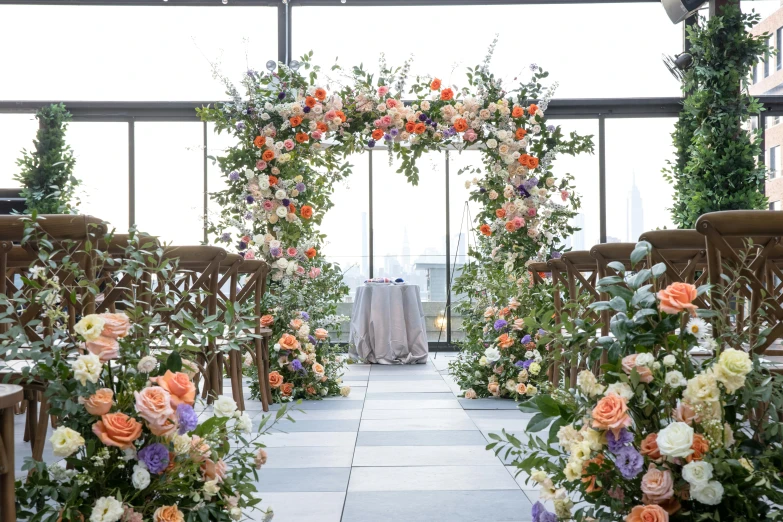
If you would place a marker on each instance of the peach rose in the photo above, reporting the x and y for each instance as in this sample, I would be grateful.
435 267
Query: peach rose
260 459
521 388
296 324
657 485
684 412
700 447
154 405
179 386
106 348
649 447
289 342
267 320
318 368
321 334
504 341
168 514
100 402
275 379
677 297
117 429
214 470
611 413
199 449
651 513
287 389
470 394
494 389
629 363
115 325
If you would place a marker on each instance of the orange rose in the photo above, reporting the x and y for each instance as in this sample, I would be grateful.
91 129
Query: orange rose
377 134
485 230
521 133
321 334
268 155
532 162
684 412
296 324
292 208
435 84
494 389
106 348
446 94
115 325
532 109
590 479
318 369
168 514
611 413
504 341
288 342
341 115
320 94
266 320
671 506
651 513
302 137
409 126
517 112
273 180
419 128
510 226
523 159
287 389
310 102
295 121
311 253
700 447
100 402
179 386
259 141
307 211
321 126
310 390
677 297
117 429
213 470
275 379
460 125
649 447
500 213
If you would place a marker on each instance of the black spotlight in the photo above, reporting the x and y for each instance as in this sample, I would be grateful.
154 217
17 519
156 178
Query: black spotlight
679 10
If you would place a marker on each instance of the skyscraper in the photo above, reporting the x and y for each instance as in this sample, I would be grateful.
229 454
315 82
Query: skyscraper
634 212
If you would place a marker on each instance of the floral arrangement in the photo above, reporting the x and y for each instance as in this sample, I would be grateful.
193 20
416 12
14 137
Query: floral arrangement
659 434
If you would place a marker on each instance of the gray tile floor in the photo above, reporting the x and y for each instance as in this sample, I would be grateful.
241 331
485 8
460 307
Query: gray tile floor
402 447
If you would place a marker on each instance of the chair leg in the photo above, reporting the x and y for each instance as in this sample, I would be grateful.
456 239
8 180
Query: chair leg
263 383
32 419
39 442
265 354
7 493
235 373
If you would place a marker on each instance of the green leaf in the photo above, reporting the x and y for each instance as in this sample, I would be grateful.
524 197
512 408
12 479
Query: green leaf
548 406
639 253
617 267
618 304
174 361
538 423
659 269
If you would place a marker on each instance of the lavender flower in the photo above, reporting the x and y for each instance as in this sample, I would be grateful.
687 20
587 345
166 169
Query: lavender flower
155 456
249 216
242 245
225 237
371 143
250 199
275 252
312 339
188 420
240 125
305 316
616 443
281 95
300 187
387 137
556 255
500 324
286 202
526 339
394 132
520 364
540 514
629 462
541 331
533 67
550 128
296 365
527 363
234 175
523 191
530 183
305 109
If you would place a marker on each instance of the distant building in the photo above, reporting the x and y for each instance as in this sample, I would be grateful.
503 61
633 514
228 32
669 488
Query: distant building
634 213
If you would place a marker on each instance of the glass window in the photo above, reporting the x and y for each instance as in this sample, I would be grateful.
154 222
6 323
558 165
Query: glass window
170 181
217 145
101 153
779 41
17 132
637 195
774 205
130 52
774 161
624 71
769 59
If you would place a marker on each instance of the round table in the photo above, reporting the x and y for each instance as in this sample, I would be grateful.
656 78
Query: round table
387 325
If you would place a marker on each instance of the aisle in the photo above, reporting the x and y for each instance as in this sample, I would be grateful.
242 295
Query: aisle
402 447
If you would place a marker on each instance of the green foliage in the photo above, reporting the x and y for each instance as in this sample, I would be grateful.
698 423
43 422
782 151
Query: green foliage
716 163
47 173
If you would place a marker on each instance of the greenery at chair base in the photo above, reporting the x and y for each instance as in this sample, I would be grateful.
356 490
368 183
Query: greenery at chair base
716 164
46 173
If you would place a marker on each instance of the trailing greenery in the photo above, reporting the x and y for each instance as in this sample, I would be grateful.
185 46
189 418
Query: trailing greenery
716 164
47 173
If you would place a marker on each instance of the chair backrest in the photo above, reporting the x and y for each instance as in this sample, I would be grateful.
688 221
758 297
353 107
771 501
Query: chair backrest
684 253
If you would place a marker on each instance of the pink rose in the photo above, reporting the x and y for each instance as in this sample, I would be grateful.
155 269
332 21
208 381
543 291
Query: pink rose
316 135
386 120
330 115
657 485
106 348
260 164
382 90
377 123
470 135
470 394
115 325
519 324
269 206
321 334
629 363
564 194
531 212
288 145
292 252
518 222
392 103
250 255
314 272
684 412
300 270
154 405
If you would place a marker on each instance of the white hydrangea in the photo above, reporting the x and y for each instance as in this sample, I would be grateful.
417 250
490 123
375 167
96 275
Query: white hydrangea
87 367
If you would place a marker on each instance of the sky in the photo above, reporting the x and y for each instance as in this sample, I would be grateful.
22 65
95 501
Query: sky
167 53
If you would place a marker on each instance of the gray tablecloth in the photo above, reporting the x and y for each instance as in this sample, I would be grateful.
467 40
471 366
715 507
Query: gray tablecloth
387 325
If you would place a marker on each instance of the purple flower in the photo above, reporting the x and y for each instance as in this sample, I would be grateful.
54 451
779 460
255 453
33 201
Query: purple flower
296 365
234 175
240 125
616 443
482 190
275 252
305 316
527 363
242 245
500 324
286 202
387 137
422 117
250 72
523 191
155 456
520 364
540 514
188 420
305 109
281 95
526 339
249 216
550 128
371 143
250 198
394 132
541 331
629 462
312 339
533 67
225 237
300 187
530 183
556 255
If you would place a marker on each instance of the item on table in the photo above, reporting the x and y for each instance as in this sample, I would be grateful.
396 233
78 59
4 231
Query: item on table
378 281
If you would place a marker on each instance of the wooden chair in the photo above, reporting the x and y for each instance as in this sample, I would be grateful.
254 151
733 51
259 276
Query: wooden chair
581 277
10 395
684 253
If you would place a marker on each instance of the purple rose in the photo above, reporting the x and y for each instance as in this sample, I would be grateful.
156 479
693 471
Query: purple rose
617 442
187 418
527 363
526 339
500 324
629 462
155 456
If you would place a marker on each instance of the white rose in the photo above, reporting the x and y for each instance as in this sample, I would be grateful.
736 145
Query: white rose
147 364
425 105
281 211
492 143
107 509
280 194
621 389
345 391
244 423
669 361
65 442
181 444
90 327
702 388
483 361
235 513
675 379
589 384
733 365
282 263
675 440
644 359
211 488
492 354
304 331
263 182
87 368
710 494
697 473
224 406
140 477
